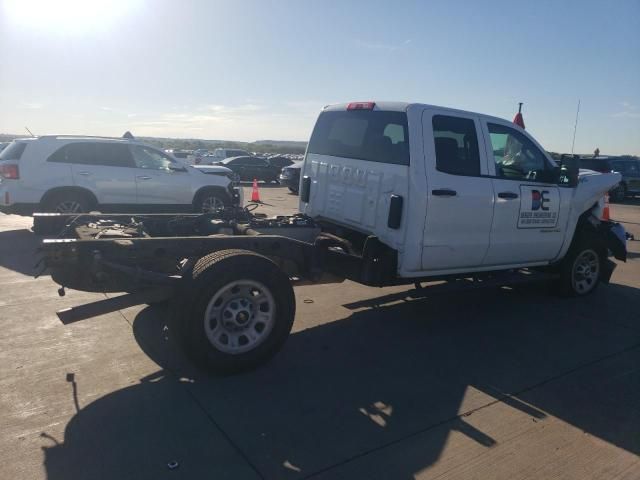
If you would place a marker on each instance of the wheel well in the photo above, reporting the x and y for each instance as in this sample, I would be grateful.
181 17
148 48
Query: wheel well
586 229
209 189
74 190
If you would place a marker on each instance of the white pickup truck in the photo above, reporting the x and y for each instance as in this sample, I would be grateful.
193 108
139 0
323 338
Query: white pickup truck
468 192
390 193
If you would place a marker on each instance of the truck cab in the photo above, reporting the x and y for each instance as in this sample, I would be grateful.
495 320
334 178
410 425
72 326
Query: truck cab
450 191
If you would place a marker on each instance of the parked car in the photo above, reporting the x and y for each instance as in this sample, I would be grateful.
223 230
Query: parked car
182 156
280 161
628 167
290 177
249 168
61 173
220 154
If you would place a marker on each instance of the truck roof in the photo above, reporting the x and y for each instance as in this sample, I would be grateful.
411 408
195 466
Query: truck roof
404 106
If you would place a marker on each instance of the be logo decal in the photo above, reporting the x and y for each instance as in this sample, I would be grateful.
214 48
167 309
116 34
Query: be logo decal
539 207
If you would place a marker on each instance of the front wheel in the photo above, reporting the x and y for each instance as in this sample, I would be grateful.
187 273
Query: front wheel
210 202
239 310
582 268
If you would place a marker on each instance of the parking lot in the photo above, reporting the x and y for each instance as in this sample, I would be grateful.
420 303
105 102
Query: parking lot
386 383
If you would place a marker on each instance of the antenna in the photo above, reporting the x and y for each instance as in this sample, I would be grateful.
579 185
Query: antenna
575 127
27 129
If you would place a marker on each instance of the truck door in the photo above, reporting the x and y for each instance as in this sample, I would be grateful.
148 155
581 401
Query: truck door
459 193
358 161
530 212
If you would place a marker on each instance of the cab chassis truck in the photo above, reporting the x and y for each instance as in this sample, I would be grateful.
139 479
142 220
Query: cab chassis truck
226 277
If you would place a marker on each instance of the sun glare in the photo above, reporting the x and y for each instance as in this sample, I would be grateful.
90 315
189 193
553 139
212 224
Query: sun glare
66 16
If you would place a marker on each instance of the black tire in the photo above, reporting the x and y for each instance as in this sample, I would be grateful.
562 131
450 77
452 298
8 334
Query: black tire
293 190
619 193
68 202
210 197
582 267
220 272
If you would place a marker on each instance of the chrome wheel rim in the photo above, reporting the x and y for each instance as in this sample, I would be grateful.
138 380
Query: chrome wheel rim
212 204
69 206
585 272
240 316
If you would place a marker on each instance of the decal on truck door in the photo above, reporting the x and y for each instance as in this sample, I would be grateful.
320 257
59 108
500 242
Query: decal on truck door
539 206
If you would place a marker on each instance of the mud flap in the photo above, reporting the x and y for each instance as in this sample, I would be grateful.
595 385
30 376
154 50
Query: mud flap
607 270
615 239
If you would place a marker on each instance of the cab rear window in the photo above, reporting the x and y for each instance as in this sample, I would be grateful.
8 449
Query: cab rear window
373 135
14 151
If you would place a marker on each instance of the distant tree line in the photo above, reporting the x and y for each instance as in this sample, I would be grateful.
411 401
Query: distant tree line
262 146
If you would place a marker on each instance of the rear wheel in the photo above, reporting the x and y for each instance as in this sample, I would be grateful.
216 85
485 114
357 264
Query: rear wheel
582 267
239 310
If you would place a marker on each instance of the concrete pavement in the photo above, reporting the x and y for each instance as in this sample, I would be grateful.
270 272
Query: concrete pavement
373 383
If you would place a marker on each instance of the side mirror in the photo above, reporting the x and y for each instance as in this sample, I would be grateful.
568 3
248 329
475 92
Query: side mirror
569 169
177 168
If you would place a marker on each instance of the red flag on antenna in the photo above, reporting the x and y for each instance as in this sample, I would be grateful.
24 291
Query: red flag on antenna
518 120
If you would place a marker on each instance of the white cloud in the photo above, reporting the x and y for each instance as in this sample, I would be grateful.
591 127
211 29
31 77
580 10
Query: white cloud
629 111
226 109
246 122
626 114
32 105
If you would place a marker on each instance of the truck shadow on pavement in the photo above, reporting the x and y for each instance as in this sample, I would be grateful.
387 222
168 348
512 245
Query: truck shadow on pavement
378 394
18 251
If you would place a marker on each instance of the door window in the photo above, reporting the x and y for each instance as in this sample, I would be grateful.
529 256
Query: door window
516 157
113 155
255 162
149 158
456 144
82 153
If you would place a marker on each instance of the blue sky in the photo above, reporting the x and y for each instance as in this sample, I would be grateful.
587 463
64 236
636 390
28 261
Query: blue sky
250 70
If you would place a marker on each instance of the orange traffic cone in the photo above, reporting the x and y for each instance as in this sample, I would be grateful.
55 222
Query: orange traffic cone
255 193
605 210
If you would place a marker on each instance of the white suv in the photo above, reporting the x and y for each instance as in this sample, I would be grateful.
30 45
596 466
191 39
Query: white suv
71 174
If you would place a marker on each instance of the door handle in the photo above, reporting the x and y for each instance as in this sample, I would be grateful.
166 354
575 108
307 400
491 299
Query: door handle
508 195
84 174
444 192
143 177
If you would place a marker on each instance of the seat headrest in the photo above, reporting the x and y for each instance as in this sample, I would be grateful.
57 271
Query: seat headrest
446 148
